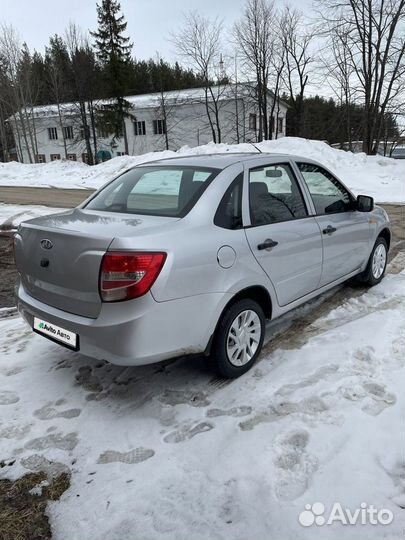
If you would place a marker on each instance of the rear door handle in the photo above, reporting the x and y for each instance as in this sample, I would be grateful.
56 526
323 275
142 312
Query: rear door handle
267 244
329 230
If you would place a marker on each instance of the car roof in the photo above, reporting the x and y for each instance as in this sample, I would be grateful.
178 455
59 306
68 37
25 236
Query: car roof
220 161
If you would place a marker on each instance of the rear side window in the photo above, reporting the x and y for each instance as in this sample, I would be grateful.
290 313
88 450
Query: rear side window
229 213
328 194
159 191
274 195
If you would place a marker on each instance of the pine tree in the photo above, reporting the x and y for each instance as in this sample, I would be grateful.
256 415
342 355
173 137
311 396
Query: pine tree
114 54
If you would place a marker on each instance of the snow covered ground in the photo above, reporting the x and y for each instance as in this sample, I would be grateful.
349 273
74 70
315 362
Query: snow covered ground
171 452
11 215
382 178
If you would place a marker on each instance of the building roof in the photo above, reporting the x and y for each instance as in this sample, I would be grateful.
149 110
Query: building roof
153 100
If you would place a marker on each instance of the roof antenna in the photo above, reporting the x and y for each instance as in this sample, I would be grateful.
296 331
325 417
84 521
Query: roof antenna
257 148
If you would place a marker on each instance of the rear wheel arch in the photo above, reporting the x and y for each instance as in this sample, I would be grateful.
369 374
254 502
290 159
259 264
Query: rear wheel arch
258 293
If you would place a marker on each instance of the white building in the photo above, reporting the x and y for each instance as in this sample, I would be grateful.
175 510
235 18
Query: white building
156 122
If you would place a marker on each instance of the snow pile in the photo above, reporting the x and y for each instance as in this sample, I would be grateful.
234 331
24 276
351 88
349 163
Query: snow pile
53 174
382 178
170 451
12 215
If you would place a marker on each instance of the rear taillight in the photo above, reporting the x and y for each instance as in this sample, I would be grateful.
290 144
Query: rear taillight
128 275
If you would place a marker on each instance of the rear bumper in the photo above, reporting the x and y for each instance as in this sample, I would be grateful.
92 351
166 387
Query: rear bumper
136 332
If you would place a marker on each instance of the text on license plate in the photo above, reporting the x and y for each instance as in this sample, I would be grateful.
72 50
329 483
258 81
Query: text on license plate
56 332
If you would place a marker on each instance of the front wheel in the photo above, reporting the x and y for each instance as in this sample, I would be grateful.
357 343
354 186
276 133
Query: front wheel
377 263
238 338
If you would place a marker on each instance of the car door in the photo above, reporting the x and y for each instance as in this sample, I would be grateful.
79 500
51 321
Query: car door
283 237
345 231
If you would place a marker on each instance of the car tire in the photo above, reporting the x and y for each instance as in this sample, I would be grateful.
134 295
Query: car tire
238 338
377 263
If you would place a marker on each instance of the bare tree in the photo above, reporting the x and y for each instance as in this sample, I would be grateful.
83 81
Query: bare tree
18 97
296 37
375 31
84 87
339 77
199 43
256 37
278 63
58 66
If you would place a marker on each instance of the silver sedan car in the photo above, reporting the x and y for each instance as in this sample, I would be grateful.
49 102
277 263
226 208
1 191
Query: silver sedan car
191 255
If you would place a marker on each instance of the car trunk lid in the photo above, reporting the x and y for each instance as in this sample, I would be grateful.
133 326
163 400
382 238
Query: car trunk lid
59 256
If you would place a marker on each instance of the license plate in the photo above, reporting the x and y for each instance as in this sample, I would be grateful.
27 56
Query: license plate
56 333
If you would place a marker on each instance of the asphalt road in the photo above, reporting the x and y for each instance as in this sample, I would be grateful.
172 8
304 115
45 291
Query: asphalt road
59 198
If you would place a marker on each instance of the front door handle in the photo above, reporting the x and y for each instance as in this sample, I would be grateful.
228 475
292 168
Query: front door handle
329 230
267 244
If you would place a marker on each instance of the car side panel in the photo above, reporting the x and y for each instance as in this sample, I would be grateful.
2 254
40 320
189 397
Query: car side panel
346 249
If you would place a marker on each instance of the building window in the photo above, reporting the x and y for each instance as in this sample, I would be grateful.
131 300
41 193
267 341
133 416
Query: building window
272 124
252 121
53 134
159 127
140 127
72 157
103 132
280 125
85 157
40 158
55 157
67 132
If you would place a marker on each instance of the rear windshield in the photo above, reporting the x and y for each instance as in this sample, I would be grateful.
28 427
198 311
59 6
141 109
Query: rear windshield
157 191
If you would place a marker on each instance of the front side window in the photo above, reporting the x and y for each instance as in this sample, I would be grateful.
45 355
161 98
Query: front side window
160 191
328 194
274 195
229 213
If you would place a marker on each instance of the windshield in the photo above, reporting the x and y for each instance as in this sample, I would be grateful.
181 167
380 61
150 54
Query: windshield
158 191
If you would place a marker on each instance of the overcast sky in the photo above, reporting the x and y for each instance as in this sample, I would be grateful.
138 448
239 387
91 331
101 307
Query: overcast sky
149 21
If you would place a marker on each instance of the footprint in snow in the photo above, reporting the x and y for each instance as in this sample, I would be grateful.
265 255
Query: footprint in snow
311 406
377 399
396 472
7 397
187 432
180 397
130 458
54 440
14 432
234 411
38 463
48 412
374 396
312 379
294 465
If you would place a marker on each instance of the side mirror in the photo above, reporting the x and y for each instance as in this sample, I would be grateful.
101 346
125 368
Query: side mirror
364 203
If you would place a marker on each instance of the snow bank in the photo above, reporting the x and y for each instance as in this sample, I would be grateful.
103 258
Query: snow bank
12 215
382 178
